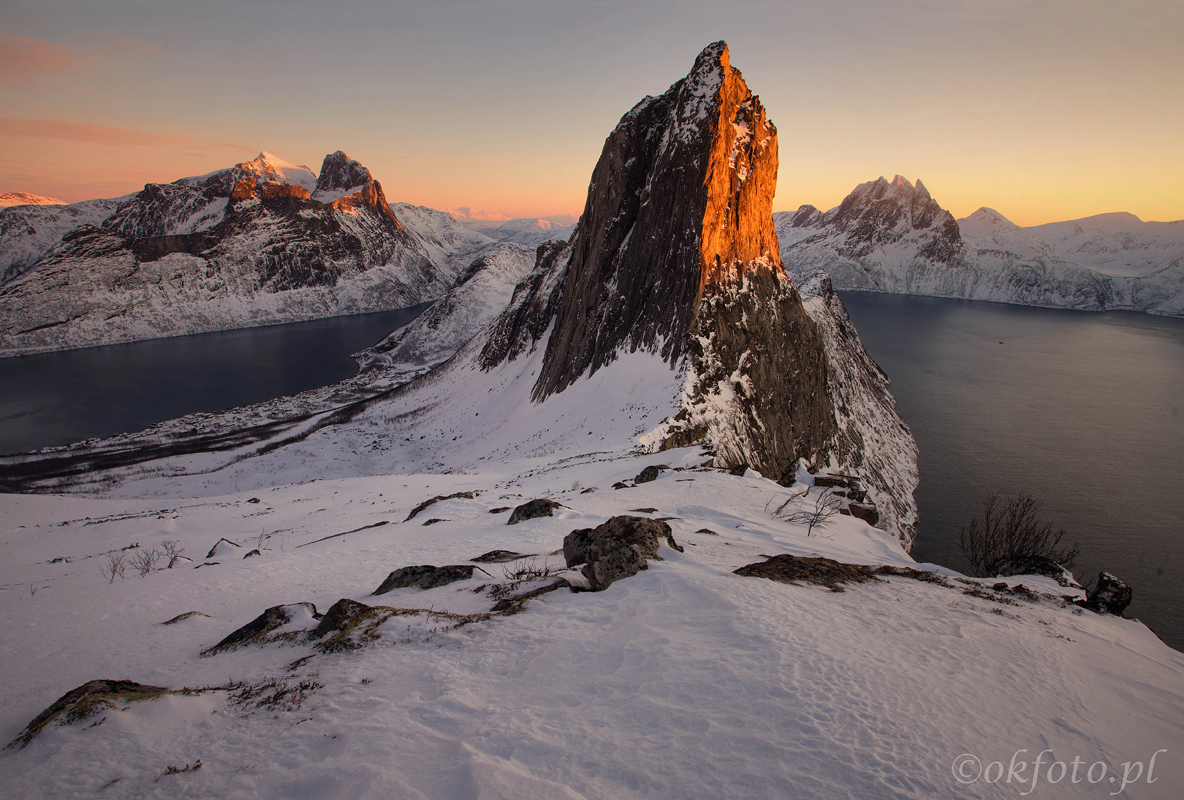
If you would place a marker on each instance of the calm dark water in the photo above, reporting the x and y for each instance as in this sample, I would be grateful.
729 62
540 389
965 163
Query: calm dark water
1081 410
59 398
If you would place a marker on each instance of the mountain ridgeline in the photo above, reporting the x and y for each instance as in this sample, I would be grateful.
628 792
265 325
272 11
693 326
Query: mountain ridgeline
259 243
892 236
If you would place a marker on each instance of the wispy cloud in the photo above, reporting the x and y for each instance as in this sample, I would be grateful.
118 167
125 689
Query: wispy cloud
23 59
69 131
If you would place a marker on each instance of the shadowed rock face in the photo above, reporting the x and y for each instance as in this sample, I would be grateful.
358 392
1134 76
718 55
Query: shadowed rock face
680 199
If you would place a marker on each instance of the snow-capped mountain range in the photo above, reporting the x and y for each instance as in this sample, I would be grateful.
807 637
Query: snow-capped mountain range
621 611
263 242
894 237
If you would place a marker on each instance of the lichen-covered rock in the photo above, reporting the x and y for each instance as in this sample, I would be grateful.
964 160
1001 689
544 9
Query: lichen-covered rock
533 509
425 576
258 629
791 569
338 616
438 498
1109 596
84 701
617 549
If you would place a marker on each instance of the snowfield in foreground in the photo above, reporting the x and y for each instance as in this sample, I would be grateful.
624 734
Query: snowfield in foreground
685 680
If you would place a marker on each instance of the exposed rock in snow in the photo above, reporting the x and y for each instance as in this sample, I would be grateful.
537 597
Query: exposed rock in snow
893 237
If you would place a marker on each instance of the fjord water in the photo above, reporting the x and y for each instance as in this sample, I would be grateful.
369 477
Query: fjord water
59 398
1081 410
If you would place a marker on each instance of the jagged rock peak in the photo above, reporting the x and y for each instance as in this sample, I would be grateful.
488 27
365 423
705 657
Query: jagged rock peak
680 199
340 173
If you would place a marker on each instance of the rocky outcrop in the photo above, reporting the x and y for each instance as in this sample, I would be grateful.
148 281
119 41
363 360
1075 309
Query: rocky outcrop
424 576
679 201
260 629
1109 596
541 507
617 549
84 702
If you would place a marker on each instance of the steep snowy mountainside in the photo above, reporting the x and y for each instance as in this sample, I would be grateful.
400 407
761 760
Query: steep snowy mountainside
530 232
441 235
1118 244
893 237
25 199
235 248
27 232
987 229
268 168
481 293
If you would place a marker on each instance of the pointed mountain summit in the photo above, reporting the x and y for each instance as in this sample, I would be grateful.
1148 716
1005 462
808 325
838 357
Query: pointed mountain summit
676 254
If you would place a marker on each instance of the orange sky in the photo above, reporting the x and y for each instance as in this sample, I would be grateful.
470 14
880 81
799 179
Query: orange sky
1041 109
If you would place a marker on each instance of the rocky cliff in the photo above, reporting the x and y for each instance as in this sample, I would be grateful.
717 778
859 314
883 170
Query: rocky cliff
259 243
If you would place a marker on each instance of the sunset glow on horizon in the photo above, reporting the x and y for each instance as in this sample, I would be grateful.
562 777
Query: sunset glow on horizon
1043 111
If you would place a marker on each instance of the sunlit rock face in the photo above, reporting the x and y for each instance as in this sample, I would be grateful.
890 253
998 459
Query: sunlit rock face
676 253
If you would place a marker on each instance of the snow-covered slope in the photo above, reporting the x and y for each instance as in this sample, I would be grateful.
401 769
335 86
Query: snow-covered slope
893 237
442 237
479 296
1117 244
25 199
236 248
27 232
530 232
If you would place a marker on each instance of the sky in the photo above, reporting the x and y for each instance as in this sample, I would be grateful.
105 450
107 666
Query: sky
1044 110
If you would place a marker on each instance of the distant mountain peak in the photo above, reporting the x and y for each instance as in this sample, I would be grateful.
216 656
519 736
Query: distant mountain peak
25 199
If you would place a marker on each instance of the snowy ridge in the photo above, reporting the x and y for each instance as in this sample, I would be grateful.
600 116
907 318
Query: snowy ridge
479 296
25 199
27 232
893 237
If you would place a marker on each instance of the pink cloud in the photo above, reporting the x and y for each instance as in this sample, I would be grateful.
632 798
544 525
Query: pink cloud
22 59
101 134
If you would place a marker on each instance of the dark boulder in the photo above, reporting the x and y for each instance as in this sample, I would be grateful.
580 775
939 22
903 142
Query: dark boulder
437 499
820 571
425 576
339 616
258 628
617 549
650 473
498 557
864 511
541 507
1109 596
